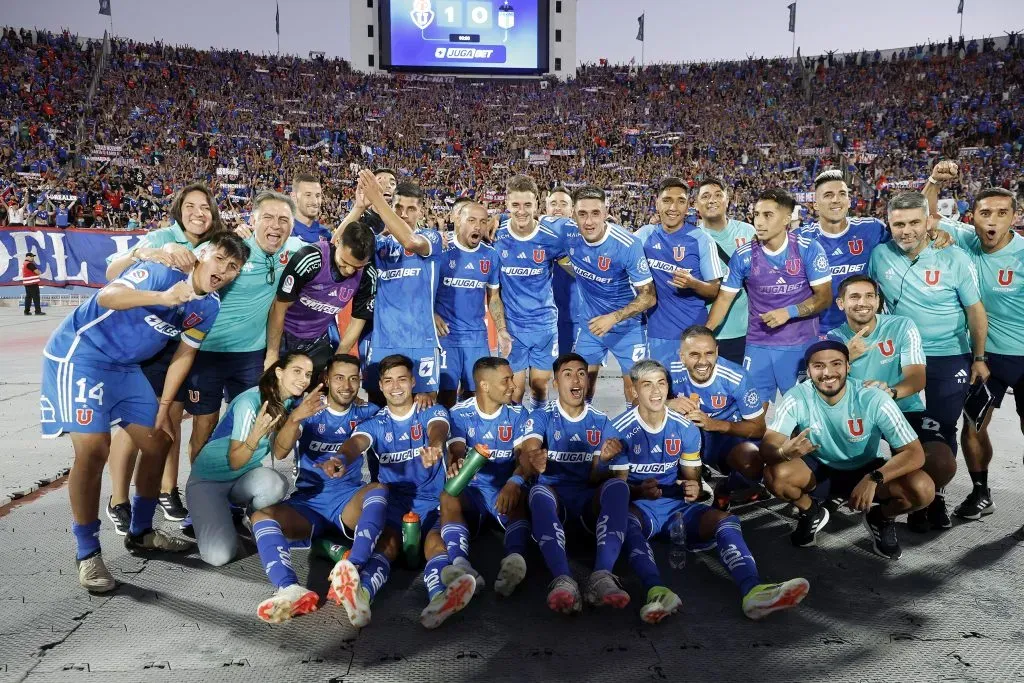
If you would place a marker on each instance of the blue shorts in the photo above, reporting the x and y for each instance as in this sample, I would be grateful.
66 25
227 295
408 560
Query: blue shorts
426 370
656 515
218 376
88 397
428 507
665 351
483 502
322 508
457 366
946 387
774 369
533 350
575 502
1007 371
628 346
716 447
155 370
733 349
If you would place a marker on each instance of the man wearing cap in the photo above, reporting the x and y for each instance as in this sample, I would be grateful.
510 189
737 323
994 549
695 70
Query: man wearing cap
824 442
30 278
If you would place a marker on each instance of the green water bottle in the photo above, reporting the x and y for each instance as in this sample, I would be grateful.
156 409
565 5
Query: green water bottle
475 459
411 539
330 549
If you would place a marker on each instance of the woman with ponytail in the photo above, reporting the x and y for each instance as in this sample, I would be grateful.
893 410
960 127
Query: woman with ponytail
228 468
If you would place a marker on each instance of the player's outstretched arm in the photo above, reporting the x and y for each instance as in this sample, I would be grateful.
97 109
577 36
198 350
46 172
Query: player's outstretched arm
119 297
720 308
351 335
275 328
369 186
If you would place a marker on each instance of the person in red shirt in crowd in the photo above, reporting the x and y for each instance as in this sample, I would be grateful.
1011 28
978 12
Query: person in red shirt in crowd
30 278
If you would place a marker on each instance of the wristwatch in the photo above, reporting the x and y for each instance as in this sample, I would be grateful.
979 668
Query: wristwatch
981 359
877 477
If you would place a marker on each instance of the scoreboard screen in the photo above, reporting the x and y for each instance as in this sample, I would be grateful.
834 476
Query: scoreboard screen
464 36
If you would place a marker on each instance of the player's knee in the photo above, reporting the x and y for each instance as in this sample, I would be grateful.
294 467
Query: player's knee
613 485
542 497
433 544
920 489
389 543
267 486
217 555
450 505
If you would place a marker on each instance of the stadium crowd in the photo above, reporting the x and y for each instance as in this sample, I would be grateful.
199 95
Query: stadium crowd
164 116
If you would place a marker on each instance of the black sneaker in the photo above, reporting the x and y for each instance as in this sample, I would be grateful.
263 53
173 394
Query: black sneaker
172 507
918 521
977 504
883 534
121 516
40 313
808 524
938 517
722 497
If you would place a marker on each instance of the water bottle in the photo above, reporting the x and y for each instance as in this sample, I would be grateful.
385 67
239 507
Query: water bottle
475 459
411 539
329 549
677 534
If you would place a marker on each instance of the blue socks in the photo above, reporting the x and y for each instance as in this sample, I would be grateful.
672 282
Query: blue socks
456 541
274 553
548 531
371 521
735 555
142 514
641 557
517 534
611 523
375 573
432 575
87 537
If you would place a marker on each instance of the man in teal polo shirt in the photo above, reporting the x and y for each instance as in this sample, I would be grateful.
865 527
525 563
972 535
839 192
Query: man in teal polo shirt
233 354
938 290
997 253
728 234
824 442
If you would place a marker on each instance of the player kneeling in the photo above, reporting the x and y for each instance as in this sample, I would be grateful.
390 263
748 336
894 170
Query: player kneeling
580 476
489 421
838 424
663 449
321 503
407 443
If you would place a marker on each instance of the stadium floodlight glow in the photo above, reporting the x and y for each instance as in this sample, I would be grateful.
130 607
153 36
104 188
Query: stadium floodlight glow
422 14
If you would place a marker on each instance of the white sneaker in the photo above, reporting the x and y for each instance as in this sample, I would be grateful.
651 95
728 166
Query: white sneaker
511 574
347 591
94 576
456 596
290 601
458 568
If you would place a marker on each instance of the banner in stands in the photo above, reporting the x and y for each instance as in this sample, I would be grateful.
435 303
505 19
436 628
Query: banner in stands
65 257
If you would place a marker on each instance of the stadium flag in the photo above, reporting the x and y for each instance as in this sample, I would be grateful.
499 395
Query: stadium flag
960 8
277 19
66 256
640 31
792 17
105 7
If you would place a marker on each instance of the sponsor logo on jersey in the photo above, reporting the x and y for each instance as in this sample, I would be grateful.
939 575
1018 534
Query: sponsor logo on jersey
137 275
821 263
678 253
288 284
652 467
931 277
318 306
886 348
856 426
158 324
856 246
1005 277
673 446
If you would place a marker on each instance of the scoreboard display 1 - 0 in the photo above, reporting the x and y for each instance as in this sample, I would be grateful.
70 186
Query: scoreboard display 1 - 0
464 36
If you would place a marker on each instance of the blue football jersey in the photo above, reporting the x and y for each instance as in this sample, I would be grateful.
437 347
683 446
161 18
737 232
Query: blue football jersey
310 234
131 336
461 298
848 254
322 437
525 274
688 248
607 272
572 443
657 451
396 443
500 432
406 290
729 395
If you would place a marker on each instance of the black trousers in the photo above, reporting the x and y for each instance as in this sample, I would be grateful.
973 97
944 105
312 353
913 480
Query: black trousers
32 295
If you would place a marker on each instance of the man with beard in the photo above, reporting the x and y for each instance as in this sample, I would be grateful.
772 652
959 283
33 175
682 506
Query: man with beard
824 442
308 197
